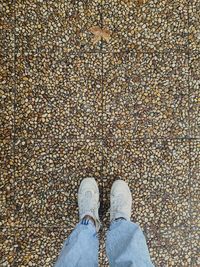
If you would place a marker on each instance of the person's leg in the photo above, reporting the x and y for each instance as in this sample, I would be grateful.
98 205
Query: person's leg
125 243
81 247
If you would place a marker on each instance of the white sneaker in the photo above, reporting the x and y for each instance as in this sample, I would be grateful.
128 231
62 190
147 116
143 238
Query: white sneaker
88 200
120 201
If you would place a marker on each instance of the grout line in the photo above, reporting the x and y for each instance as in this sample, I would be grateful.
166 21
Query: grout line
51 112
14 106
101 51
190 132
6 227
102 111
188 78
190 194
15 93
99 139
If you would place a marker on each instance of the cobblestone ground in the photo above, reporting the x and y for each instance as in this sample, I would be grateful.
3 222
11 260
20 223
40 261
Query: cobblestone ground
71 108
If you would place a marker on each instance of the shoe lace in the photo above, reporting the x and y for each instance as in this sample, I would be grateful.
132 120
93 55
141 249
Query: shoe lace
117 203
87 203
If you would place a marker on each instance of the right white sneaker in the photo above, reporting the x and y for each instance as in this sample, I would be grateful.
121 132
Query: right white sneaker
120 201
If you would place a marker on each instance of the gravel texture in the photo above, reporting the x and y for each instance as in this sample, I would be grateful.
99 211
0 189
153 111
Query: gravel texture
195 185
194 24
152 26
146 95
71 108
32 246
194 84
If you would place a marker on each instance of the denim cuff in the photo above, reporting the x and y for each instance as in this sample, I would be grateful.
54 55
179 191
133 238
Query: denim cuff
87 222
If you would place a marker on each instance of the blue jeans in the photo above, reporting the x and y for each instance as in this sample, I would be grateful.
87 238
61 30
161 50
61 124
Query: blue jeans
125 246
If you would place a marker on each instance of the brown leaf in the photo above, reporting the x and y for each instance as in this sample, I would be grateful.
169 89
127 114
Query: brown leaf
100 33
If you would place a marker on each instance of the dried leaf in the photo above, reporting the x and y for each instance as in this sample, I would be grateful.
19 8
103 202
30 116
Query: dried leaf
100 33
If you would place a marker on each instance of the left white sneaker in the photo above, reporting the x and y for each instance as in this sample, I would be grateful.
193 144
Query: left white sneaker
88 200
